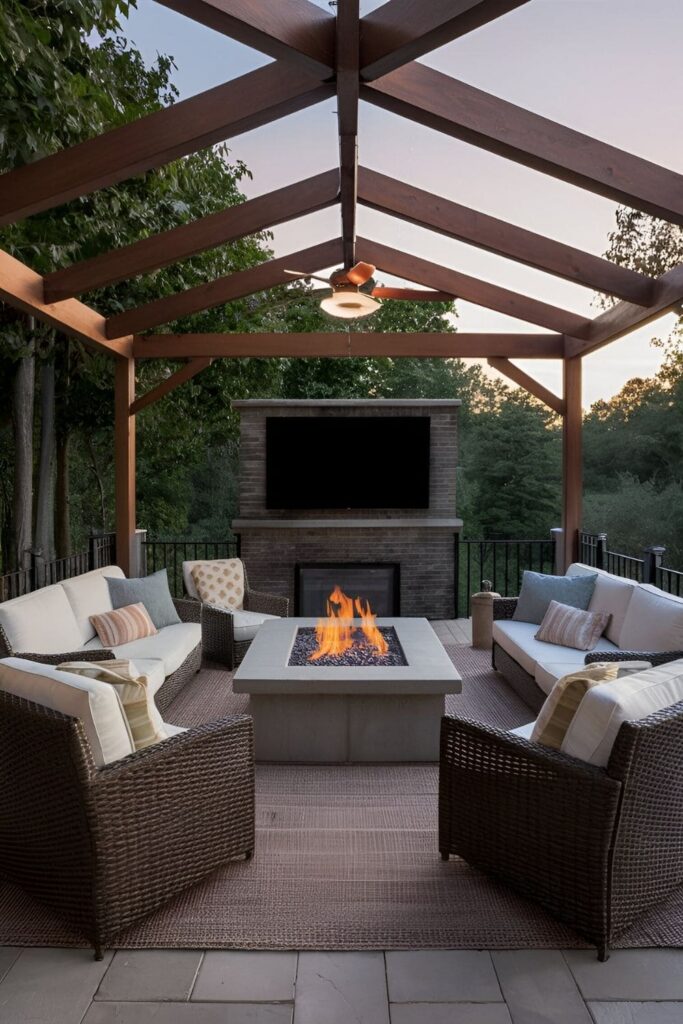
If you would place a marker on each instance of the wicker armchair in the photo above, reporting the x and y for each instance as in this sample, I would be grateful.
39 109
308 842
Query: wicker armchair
218 634
595 846
104 847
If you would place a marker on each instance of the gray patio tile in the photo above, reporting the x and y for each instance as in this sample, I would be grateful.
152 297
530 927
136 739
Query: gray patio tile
629 974
153 975
50 986
538 986
340 988
8 954
246 977
189 1013
449 1013
637 1013
442 976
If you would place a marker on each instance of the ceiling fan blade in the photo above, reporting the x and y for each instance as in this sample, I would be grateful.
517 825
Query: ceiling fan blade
361 273
412 294
304 273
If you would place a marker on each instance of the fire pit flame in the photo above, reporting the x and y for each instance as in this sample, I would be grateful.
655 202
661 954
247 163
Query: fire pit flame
336 635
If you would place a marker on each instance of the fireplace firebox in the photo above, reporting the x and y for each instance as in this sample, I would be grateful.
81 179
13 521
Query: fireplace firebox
378 583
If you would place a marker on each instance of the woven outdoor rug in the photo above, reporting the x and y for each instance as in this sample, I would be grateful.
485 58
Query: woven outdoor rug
346 858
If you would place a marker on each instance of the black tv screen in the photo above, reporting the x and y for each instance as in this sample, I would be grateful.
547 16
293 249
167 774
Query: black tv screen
344 462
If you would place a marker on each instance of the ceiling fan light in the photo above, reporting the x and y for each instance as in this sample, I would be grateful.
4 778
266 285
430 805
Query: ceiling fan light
349 305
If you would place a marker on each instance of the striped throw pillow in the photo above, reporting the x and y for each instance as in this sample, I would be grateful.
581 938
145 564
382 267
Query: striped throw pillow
563 701
123 625
572 627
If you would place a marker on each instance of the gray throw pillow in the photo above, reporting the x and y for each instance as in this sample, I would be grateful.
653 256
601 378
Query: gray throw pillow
152 591
538 590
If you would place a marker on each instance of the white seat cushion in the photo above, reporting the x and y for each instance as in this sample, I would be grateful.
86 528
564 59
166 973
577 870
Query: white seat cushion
95 703
171 645
173 730
612 594
41 623
524 731
654 621
153 668
546 674
518 640
246 623
605 708
89 595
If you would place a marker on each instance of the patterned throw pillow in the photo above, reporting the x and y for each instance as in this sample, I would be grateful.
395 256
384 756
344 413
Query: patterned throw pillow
220 583
123 625
144 720
563 701
571 627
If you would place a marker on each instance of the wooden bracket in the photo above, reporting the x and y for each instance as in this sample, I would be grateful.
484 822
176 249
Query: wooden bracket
514 373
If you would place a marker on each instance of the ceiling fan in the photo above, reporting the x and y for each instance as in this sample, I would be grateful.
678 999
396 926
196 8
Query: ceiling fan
347 300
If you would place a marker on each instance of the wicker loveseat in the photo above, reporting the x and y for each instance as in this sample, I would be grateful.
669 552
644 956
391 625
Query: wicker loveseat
52 625
104 844
595 846
644 621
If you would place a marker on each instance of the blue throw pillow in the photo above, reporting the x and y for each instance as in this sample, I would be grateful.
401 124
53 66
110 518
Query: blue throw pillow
538 590
152 591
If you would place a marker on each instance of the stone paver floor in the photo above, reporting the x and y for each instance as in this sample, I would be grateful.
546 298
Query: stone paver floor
66 986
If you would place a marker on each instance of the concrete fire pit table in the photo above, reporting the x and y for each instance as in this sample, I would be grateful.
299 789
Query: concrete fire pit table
318 714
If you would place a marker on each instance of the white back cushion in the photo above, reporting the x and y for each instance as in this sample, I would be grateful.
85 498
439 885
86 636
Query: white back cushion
604 708
95 703
654 621
612 594
89 595
41 623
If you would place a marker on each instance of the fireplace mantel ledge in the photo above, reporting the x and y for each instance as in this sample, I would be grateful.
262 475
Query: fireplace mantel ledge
404 523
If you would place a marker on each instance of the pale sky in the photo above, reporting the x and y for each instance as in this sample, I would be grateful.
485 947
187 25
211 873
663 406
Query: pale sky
609 68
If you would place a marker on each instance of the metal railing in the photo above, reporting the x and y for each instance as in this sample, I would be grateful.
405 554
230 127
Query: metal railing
502 562
670 580
594 550
43 573
170 555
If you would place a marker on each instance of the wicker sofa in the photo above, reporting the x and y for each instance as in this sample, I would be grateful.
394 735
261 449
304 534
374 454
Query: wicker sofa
52 625
645 621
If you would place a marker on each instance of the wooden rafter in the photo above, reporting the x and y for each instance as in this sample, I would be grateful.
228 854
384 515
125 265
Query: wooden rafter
185 373
23 289
294 30
224 289
402 30
625 317
361 343
388 195
347 52
266 211
534 387
447 105
213 116
471 289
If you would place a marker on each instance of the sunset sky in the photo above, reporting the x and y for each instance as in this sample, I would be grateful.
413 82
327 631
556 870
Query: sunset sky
609 68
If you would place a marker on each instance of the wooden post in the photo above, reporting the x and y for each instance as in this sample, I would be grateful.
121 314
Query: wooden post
572 460
124 464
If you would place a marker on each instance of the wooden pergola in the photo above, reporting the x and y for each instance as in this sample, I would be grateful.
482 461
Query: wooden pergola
317 56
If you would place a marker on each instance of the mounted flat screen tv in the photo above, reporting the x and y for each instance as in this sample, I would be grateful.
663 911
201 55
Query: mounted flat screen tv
345 462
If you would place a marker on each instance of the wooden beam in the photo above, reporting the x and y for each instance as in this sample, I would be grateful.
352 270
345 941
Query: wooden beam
348 22
518 376
360 343
625 317
193 124
572 460
411 294
482 293
294 30
185 373
380 192
157 251
225 289
402 30
22 288
447 105
124 464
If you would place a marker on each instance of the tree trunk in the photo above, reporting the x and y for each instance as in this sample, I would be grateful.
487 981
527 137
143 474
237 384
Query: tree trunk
45 498
63 497
22 422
